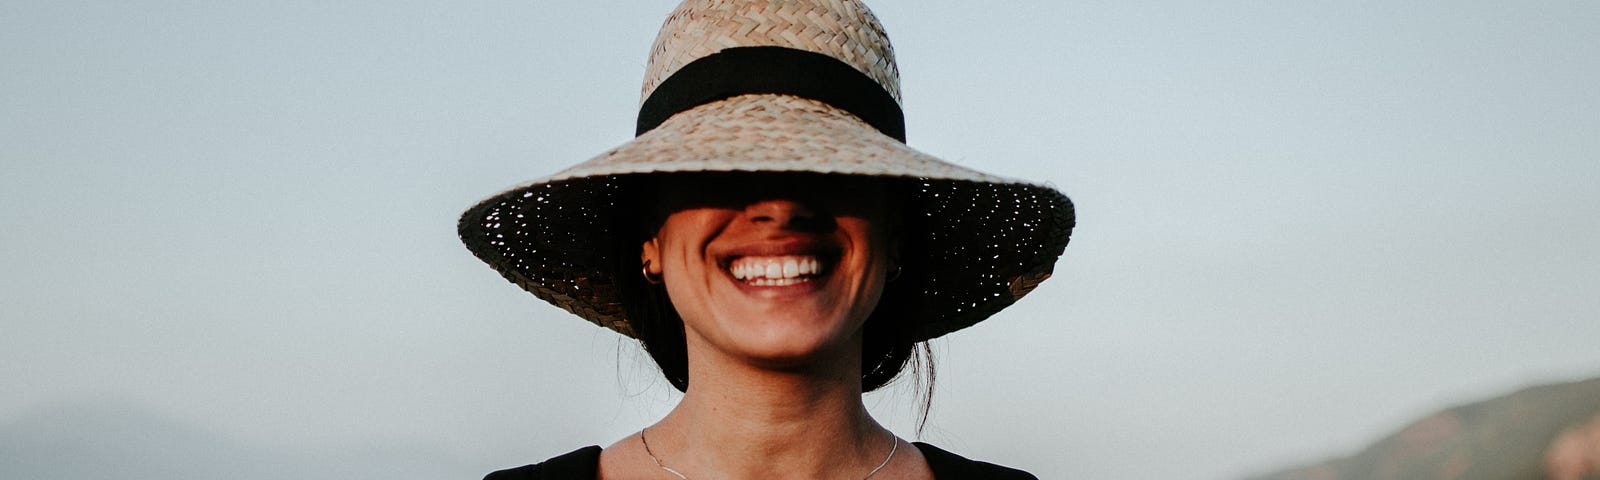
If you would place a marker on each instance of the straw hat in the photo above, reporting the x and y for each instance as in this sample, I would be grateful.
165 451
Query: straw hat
775 86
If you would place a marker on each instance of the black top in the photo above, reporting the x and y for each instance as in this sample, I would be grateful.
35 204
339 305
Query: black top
584 464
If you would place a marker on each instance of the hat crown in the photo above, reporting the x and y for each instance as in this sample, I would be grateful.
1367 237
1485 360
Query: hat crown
843 29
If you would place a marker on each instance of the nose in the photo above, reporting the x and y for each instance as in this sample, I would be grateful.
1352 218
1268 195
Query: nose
782 213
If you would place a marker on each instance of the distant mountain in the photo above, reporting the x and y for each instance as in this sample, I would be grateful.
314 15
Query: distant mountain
1549 432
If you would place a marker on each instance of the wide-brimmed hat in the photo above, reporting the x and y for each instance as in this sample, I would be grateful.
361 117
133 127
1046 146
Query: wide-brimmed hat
776 86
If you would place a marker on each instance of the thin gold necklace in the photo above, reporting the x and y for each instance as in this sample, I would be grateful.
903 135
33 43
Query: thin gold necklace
680 475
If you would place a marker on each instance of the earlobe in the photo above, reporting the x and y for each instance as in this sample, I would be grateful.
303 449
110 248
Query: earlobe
648 255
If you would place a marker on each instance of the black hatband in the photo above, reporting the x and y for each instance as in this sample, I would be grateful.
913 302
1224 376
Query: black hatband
773 70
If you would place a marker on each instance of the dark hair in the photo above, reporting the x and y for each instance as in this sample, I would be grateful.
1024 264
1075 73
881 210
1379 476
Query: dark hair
888 344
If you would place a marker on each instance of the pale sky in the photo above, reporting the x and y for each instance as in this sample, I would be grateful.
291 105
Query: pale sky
227 234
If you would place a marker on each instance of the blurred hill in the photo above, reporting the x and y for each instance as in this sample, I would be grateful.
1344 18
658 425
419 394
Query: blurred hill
1545 432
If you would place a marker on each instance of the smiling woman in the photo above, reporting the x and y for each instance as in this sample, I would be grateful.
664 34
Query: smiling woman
775 246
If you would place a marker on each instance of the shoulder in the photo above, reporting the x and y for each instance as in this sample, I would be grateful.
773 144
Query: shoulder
949 465
583 463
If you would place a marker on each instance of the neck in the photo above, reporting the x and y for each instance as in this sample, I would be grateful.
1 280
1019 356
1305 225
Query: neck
742 421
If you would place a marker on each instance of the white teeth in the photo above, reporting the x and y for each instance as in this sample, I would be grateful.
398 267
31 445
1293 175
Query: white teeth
777 282
775 271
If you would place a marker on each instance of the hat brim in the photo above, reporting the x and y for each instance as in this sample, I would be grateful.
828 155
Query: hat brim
984 241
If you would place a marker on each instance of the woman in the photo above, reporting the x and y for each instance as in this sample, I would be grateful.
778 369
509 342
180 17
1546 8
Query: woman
774 245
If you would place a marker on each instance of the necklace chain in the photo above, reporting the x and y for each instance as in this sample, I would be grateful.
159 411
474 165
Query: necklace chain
680 475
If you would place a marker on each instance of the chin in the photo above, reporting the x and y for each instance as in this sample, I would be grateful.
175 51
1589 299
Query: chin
790 343
789 354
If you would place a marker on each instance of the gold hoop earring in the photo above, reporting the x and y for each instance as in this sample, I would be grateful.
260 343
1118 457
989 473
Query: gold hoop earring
652 279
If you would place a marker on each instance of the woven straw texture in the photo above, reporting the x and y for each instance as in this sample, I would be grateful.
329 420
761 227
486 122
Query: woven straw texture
842 29
985 241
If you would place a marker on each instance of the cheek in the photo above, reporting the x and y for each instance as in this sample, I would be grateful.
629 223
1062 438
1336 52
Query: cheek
683 270
870 242
683 235
681 242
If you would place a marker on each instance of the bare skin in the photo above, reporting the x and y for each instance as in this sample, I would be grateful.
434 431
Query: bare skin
774 363
785 429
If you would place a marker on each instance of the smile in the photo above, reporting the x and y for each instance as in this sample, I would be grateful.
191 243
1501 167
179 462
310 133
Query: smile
775 271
